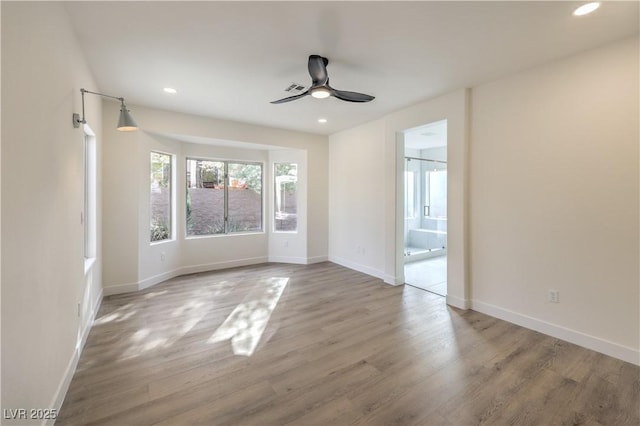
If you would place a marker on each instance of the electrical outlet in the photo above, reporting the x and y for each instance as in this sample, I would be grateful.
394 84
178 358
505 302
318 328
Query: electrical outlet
554 296
163 257
286 243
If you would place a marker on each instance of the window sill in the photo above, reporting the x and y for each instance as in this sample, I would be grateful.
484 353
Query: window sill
157 243
235 234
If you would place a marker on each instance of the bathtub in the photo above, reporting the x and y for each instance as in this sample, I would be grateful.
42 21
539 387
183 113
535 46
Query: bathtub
428 239
425 243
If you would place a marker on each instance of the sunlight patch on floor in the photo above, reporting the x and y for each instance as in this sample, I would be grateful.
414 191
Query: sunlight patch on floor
155 336
154 294
246 324
121 314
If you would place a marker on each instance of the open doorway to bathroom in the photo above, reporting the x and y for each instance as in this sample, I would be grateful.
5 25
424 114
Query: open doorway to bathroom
425 207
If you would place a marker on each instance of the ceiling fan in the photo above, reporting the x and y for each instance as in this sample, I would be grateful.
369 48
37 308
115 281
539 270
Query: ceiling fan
320 85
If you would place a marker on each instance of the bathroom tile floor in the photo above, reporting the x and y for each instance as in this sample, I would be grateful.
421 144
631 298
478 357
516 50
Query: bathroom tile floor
428 274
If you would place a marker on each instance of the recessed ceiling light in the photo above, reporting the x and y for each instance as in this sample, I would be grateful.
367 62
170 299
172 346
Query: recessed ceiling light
322 120
170 90
585 9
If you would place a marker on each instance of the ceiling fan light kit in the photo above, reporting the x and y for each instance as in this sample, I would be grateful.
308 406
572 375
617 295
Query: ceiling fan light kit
320 93
320 87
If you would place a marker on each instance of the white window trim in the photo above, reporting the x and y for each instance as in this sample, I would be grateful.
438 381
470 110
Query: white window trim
172 195
275 191
89 209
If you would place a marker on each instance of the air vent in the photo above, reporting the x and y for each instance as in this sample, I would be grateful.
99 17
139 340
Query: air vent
295 88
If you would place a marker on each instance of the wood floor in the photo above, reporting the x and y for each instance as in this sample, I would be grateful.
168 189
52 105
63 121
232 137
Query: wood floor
340 347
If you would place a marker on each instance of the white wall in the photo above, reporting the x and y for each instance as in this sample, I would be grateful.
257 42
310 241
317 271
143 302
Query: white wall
207 253
290 247
132 263
42 198
437 153
366 183
357 198
554 199
543 193
121 191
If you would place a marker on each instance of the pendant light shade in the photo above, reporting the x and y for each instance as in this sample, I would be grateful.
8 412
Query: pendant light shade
126 123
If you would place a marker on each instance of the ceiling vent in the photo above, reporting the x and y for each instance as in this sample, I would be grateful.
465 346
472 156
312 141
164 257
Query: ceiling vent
295 88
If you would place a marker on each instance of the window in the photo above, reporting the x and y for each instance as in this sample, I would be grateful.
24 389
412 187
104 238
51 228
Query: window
286 197
410 196
160 196
436 193
89 209
223 197
244 197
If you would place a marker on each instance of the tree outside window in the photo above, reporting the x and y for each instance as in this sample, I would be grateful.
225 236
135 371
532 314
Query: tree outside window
286 197
160 194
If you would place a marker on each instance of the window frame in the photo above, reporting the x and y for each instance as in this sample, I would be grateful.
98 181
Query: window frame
275 195
89 208
226 232
171 218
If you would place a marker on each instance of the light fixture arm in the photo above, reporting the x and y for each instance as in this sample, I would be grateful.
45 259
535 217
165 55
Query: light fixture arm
126 121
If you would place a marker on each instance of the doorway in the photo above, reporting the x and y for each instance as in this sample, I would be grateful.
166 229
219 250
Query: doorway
425 207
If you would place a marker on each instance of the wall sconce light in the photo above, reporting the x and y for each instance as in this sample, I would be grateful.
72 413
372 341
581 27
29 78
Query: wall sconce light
126 123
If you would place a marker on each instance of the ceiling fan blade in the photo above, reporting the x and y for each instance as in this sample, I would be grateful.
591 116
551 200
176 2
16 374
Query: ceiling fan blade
290 98
320 85
318 70
351 96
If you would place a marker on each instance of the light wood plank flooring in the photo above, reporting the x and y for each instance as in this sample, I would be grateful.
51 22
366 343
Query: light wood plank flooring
340 348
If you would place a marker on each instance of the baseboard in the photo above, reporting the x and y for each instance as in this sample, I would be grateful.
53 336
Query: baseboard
184 270
157 279
288 259
457 302
63 386
597 344
316 259
92 315
119 289
205 267
392 280
358 267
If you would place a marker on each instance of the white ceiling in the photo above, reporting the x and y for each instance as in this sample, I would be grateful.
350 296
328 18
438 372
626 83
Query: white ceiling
432 135
230 59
